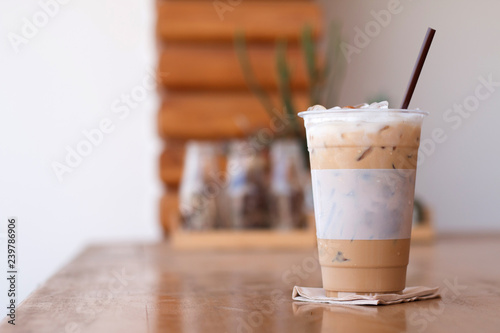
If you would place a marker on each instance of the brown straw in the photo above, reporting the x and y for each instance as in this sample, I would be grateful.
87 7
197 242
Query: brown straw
418 67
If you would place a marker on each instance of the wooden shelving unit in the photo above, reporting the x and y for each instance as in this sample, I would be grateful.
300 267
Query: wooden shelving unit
205 96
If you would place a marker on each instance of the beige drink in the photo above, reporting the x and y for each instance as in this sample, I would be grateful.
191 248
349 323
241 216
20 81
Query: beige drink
363 164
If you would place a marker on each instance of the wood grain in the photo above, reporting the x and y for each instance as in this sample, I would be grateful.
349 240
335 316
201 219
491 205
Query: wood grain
151 288
197 66
262 21
209 116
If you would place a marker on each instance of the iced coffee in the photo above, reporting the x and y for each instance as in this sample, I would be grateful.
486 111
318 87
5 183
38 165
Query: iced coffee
363 166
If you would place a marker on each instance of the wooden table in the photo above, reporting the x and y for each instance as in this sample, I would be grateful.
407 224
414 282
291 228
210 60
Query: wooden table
151 288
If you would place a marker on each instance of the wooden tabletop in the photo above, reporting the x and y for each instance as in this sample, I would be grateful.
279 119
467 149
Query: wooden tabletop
151 288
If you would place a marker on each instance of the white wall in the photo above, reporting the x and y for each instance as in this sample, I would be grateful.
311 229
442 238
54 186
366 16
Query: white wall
460 179
62 82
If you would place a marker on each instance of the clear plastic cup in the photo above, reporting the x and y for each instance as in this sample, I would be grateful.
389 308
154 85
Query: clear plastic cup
363 167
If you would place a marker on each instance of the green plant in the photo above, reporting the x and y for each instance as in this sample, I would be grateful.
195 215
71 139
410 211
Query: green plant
253 84
324 81
325 76
284 84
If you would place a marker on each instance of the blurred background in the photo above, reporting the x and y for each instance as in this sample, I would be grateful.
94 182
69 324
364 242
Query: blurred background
85 73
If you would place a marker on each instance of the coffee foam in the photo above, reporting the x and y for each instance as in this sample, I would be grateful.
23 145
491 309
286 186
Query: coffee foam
327 126
377 113
372 106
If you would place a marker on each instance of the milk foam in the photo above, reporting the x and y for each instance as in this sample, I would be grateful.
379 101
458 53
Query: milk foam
365 114
373 106
324 125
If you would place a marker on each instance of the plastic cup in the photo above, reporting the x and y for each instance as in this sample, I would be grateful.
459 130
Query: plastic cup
363 168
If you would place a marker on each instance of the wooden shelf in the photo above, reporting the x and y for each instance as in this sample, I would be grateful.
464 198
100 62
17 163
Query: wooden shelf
222 115
195 67
203 89
262 21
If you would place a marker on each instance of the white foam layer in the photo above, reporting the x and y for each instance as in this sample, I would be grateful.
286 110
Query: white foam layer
362 114
372 106
331 124
363 204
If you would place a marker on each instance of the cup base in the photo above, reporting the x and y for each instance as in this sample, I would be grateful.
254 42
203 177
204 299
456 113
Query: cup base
363 280
337 294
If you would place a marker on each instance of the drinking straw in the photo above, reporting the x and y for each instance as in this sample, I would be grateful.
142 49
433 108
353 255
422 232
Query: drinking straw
418 67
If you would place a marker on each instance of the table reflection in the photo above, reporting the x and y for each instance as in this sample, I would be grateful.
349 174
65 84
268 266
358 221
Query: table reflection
355 318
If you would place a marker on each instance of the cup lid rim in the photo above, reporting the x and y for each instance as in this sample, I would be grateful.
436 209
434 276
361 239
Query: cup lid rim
354 111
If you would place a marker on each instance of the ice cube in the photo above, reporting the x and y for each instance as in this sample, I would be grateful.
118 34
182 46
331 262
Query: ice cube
316 107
